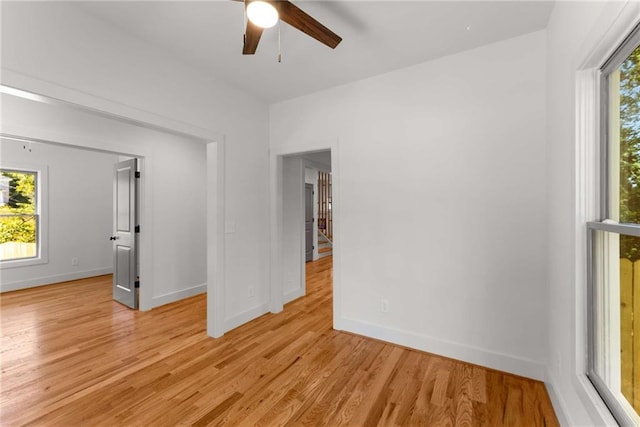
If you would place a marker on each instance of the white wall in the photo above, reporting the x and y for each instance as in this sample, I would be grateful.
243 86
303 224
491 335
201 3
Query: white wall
580 35
441 174
293 227
55 43
80 189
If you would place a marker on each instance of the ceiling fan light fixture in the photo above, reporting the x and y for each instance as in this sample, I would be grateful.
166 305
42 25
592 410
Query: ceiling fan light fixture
262 14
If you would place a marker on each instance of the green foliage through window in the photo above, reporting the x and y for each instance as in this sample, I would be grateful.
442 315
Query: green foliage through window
630 151
18 210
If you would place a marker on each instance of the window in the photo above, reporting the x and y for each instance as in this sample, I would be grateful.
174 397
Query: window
22 229
614 244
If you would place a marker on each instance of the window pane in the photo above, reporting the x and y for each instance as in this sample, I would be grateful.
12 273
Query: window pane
18 215
625 137
616 359
18 237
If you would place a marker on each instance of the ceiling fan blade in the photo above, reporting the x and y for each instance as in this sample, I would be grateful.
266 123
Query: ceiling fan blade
297 18
251 38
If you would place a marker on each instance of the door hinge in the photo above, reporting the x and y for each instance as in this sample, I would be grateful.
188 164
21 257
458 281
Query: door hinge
137 229
137 283
137 174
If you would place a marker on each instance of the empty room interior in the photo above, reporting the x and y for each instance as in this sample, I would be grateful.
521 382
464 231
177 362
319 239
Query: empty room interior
320 212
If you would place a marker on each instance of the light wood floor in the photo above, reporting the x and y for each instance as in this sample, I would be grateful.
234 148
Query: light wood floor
72 357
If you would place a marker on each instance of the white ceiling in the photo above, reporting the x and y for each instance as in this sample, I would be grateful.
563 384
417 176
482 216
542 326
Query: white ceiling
378 36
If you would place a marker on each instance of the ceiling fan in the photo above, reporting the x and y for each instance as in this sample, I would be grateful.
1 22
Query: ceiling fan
263 14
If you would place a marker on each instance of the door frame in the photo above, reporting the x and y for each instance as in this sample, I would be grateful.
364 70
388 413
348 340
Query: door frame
16 84
276 156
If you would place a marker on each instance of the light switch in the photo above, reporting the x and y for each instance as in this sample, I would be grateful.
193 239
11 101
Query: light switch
230 227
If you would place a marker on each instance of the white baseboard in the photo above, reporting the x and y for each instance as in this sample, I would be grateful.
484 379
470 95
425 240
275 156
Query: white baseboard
557 402
56 278
291 295
477 356
170 297
245 316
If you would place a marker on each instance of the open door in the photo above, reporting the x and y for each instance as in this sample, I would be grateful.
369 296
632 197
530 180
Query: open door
125 258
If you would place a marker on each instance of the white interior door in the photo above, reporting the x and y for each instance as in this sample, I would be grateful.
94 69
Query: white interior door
125 278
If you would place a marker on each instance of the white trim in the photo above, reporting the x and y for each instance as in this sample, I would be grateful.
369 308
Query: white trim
43 91
301 227
558 403
592 401
616 22
477 356
170 297
336 250
215 240
49 280
586 196
42 205
275 256
245 316
145 248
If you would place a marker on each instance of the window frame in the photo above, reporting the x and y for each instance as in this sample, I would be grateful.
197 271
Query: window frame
628 45
42 214
620 409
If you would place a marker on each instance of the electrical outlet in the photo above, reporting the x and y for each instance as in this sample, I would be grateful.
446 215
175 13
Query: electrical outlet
251 291
384 305
75 261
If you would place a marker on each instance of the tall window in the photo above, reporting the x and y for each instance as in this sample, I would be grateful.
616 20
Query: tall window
614 243
20 216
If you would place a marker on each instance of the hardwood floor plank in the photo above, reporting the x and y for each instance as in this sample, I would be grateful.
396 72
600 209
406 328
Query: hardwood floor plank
440 386
78 358
218 410
463 391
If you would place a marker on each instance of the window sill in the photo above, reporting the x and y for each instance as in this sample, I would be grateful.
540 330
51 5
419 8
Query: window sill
16 263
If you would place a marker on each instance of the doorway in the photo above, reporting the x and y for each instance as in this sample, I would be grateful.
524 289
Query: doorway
72 233
109 128
300 238
90 226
